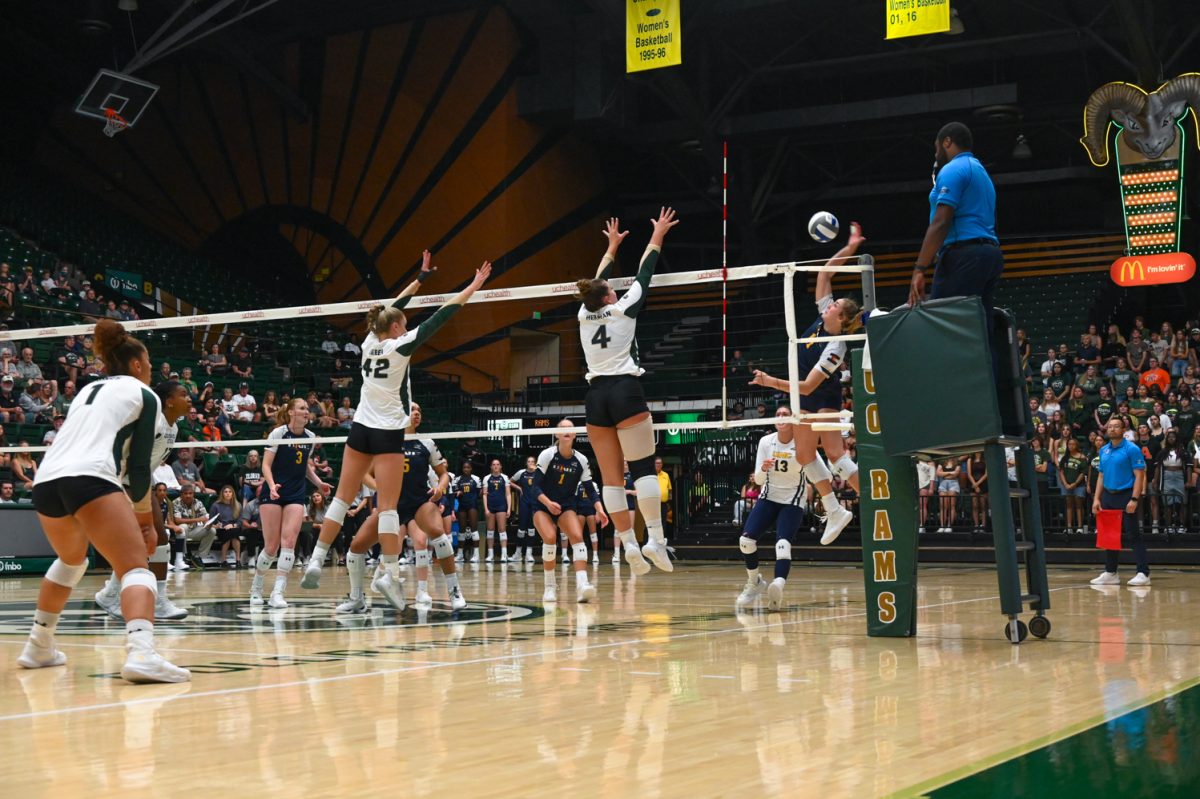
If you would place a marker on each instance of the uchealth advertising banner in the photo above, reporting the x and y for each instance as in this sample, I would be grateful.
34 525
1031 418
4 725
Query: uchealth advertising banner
652 35
1153 270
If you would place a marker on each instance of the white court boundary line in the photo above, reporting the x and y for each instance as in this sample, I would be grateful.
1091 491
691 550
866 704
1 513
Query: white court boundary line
472 662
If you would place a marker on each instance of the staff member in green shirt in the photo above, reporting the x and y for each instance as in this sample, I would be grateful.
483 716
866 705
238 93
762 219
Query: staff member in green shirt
1119 486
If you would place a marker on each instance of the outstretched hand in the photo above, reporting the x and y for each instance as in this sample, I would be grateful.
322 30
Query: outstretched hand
482 274
761 378
666 220
427 267
612 231
856 235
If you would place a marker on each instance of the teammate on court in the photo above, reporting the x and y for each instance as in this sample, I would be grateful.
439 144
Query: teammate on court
523 482
560 470
420 513
109 433
618 420
377 435
282 498
821 390
496 507
466 489
781 504
175 403
585 506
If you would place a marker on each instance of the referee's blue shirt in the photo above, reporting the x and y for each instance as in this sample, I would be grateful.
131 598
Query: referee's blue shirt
964 185
1117 464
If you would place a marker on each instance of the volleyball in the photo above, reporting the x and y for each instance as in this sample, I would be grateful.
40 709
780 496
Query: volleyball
823 227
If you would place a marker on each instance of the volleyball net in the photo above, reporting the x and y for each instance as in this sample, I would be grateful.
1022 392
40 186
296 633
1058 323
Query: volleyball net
503 371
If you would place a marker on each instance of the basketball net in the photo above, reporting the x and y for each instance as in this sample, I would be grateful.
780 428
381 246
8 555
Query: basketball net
114 123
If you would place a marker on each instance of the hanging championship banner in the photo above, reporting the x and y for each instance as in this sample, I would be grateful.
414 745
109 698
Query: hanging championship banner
916 17
652 35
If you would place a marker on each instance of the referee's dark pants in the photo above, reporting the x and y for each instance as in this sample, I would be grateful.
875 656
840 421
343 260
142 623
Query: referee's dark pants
1117 500
969 269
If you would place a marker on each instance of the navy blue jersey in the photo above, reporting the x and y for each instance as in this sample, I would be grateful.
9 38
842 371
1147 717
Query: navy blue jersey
524 479
466 487
420 454
558 477
290 466
586 495
496 486
826 356
630 499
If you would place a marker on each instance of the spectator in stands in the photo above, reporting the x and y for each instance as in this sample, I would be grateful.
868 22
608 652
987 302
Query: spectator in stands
1088 353
345 414
351 351
1090 382
214 361
48 284
1160 346
27 283
189 514
111 311
1185 418
10 404
246 408
1156 378
1104 409
26 368
250 475
251 530
1112 351
128 314
737 364
207 393
749 496
68 360
948 473
36 404
1138 352
975 471
1035 411
8 365
1159 410
188 473
88 306
24 467
760 411
228 406
342 375
1179 353
1122 378
317 412
738 411
8 286
188 383
52 433
1194 347
242 365
330 345
212 433
190 426
1060 383
164 371
1079 414
1141 405
1186 385
92 366
270 406
1048 364
6 492
228 525
1171 464
320 464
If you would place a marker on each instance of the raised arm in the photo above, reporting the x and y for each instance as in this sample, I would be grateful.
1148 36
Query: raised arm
635 297
612 231
427 270
423 331
824 286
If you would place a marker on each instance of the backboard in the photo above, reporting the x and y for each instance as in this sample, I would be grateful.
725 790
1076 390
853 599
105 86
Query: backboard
114 91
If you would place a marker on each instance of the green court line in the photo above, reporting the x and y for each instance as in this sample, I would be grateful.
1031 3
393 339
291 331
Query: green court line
922 789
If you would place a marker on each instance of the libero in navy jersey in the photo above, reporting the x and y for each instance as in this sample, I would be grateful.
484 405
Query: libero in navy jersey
497 504
420 456
560 470
586 498
522 481
466 489
821 390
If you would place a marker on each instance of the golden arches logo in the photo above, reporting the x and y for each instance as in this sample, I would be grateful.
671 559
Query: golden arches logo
1153 270
1135 268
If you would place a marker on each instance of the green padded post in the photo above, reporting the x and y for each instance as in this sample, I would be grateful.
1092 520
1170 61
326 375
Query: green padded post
1003 530
1031 510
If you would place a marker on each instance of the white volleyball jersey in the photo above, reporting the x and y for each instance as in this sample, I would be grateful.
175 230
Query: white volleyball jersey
785 482
109 433
165 436
609 334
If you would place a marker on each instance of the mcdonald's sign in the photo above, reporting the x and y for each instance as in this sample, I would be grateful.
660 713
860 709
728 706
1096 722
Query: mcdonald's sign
1153 270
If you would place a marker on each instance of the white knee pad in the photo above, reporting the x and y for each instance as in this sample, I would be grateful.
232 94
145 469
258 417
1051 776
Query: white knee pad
491 535
614 498
442 548
637 442
748 545
264 562
579 552
337 511
549 551
389 522
844 467
287 559
162 554
648 490
783 549
817 471
140 577
423 558
66 575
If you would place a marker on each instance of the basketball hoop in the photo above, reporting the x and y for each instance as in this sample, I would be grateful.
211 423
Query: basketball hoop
114 123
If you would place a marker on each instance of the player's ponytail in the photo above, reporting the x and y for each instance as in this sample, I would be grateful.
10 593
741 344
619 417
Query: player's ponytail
591 292
381 318
116 348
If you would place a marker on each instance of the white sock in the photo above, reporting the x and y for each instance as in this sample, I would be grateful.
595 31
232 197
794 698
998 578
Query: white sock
752 575
356 567
452 581
44 625
320 550
504 543
391 563
112 586
581 578
829 502
423 585
550 576
178 560
628 539
287 559
616 545
139 633
162 592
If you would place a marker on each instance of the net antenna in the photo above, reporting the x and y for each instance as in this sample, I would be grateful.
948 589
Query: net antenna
117 99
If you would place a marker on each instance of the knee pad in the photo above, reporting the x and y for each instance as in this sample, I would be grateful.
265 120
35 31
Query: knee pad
337 511
549 551
442 548
389 522
614 498
474 535
844 467
504 538
637 442
423 558
162 554
783 549
748 545
140 577
648 489
579 552
817 471
264 562
287 559
491 534
66 575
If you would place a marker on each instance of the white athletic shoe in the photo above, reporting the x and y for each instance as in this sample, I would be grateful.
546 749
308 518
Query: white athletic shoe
835 523
775 594
550 594
403 561
475 556
1106 578
277 602
658 555
352 605
637 564
256 600
423 599
457 600
529 555
566 556
166 610
616 558
110 604
146 665
751 592
595 557
490 557
40 657
1141 578
312 575
585 593
383 585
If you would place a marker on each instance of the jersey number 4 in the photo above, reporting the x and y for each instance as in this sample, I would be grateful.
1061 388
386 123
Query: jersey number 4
380 366
601 337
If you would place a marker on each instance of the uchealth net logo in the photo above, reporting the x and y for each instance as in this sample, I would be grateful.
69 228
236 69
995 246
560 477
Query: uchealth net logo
1153 270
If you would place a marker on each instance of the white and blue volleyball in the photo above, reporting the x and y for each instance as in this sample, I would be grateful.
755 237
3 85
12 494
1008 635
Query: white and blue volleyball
823 227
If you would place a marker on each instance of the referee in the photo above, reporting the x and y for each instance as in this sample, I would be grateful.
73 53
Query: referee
961 237
1120 486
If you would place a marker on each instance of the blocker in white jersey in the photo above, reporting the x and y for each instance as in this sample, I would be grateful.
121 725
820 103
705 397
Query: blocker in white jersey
778 471
109 433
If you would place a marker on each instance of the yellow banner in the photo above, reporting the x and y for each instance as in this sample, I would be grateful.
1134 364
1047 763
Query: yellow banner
652 35
916 17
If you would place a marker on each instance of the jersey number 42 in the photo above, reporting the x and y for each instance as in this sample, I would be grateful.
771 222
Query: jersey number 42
380 367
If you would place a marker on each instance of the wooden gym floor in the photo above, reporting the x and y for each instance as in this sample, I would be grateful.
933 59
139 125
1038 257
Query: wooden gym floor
659 690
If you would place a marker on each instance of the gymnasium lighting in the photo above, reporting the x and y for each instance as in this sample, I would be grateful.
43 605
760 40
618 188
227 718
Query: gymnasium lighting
1021 150
127 5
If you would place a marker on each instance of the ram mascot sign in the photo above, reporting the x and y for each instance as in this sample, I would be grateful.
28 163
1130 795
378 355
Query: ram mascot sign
1150 148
